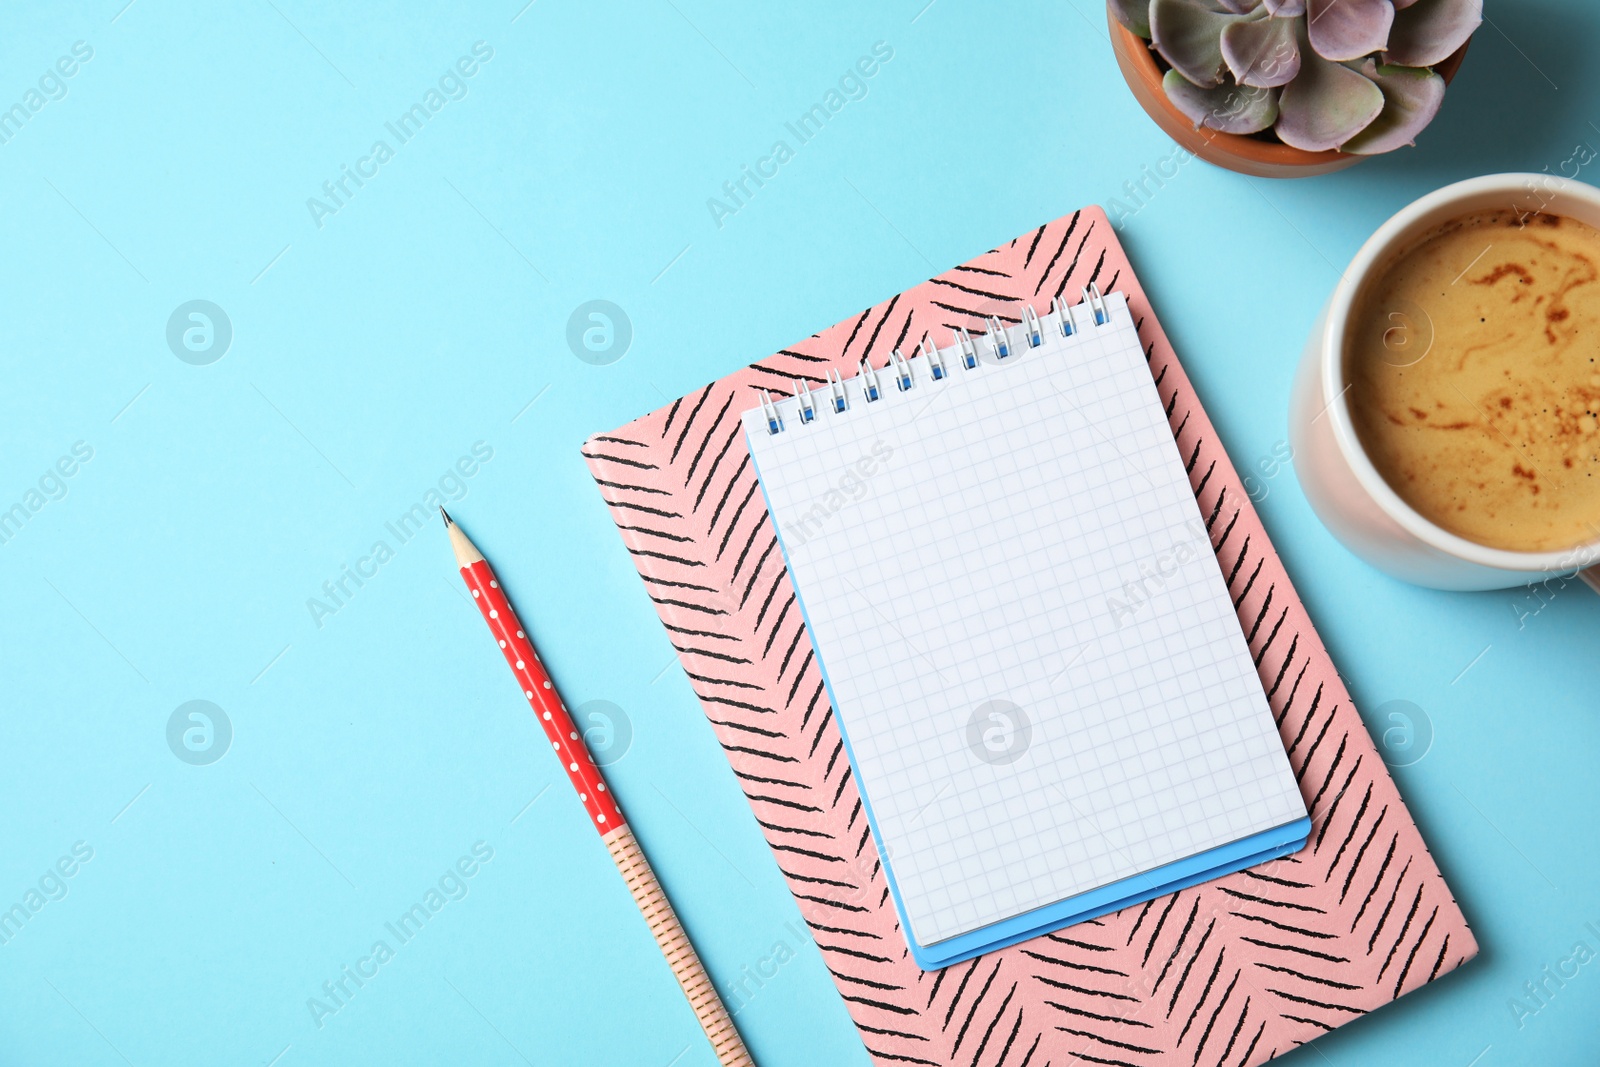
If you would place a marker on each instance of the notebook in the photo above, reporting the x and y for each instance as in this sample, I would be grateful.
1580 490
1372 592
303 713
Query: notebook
1042 685
1229 971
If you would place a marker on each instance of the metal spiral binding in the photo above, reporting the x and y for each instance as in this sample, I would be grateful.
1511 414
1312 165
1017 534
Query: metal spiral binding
969 351
1030 326
903 373
930 352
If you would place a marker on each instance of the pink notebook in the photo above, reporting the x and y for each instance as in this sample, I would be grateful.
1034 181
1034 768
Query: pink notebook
1231 972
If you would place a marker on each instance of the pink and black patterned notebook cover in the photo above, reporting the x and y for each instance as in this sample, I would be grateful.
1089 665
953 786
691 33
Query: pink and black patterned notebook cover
1232 972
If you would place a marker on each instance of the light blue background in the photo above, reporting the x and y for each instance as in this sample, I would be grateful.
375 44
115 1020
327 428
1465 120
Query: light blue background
369 354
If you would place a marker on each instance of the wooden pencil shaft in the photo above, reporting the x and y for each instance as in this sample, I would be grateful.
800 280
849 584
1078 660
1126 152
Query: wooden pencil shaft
674 943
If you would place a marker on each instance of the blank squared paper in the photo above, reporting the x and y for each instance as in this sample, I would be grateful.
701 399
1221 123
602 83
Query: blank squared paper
1022 625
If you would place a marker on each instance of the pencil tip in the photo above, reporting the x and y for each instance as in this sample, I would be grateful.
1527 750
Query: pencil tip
446 516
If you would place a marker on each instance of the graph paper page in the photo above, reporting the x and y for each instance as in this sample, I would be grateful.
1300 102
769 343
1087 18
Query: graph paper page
1025 633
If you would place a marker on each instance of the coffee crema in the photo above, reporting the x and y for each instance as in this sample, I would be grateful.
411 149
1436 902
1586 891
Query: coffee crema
1473 379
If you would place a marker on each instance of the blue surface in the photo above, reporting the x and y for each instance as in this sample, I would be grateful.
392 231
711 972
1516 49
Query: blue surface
370 754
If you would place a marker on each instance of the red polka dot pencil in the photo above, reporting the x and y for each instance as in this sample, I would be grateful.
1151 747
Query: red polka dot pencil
597 799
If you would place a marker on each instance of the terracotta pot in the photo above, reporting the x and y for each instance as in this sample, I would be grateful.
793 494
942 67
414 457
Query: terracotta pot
1247 155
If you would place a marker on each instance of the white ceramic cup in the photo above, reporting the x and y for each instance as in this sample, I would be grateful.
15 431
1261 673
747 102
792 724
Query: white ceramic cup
1344 488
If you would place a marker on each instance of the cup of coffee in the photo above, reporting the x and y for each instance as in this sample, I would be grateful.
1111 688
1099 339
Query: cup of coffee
1445 417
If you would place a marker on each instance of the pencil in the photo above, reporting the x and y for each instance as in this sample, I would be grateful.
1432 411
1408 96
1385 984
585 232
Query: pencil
597 800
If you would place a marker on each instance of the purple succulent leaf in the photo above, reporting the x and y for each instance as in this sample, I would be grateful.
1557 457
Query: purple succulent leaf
1189 37
1398 4
1326 105
1261 52
1348 29
1411 98
1429 31
1225 108
1134 14
1286 9
1241 7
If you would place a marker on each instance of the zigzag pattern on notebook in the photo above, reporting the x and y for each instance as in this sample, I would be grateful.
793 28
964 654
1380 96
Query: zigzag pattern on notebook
1232 972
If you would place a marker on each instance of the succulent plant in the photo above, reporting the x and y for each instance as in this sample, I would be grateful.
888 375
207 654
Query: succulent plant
1348 74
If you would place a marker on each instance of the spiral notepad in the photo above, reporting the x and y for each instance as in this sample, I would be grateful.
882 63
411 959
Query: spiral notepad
1047 701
